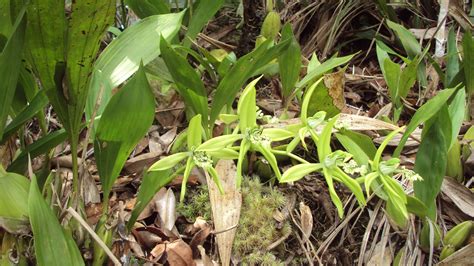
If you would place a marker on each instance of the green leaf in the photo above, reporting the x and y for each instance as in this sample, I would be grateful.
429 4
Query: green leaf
323 68
430 164
425 112
125 121
41 146
457 110
218 143
46 51
51 244
152 182
242 70
299 171
359 145
140 42
332 192
289 62
351 183
187 171
306 101
224 154
452 60
277 134
36 105
415 206
194 132
468 61
88 22
247 108
324 143
14 203
188 82
271 159
202 13
168 162
146 8
244 148
10 63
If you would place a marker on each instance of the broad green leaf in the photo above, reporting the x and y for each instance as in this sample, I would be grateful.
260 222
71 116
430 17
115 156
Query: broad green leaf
425 112
452 60
299 171
10 63
146 8
188 82
125 121
396 212
468 61
224 154
152 182
14 203
46 51
202 13
88 22
457 110
215 177
359 145
247 108
194 132
220 142
51 244
430 164
168 162
411 46
289 62
140 42
277 134
323 68
409 42
228 118
328 95
36 105
415 206
242 70
41 146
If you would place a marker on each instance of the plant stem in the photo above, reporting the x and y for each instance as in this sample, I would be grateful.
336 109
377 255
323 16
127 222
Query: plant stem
75 170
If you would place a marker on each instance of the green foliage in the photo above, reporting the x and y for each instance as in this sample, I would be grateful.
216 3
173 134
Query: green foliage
289 62
14 203
125 121
53 245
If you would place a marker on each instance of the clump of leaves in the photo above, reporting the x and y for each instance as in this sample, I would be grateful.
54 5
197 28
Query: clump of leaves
196 204
257 229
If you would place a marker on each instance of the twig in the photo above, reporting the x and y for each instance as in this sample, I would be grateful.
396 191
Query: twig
94 235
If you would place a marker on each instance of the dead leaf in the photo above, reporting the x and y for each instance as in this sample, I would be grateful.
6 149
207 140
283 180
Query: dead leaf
225 208
335 84
165 205
198 240
461 196
177 253
140 162
378 258
306 218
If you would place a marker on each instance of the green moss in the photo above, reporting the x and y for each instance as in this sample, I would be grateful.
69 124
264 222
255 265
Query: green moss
196 204
257 229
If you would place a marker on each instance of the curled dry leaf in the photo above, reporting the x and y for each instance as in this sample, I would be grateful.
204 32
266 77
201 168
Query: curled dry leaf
225 207
461 196
140 162
177 253
378 258
165 205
